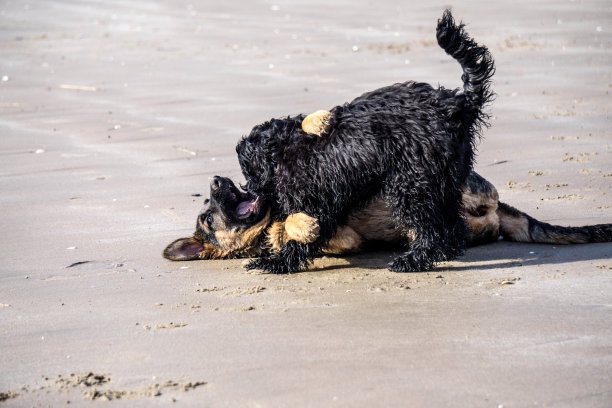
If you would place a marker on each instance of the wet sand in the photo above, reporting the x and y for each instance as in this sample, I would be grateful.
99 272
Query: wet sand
114 117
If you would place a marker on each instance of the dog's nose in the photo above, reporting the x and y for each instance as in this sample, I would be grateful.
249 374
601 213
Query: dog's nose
215 183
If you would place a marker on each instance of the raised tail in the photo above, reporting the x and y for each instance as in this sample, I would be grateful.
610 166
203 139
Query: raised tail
518 226
476 62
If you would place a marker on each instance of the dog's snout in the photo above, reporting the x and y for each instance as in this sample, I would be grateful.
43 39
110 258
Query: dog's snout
215 183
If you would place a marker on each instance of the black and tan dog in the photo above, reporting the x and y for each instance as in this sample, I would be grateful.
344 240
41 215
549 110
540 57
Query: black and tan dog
237 225
409 145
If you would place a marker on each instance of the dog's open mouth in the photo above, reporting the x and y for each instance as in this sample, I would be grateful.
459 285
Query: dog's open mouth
246 204
246 208
240 206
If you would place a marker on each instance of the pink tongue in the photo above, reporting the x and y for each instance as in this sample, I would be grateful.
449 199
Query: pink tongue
243 209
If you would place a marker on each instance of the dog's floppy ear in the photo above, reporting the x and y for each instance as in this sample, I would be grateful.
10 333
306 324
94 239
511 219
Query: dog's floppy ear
317 123
183 249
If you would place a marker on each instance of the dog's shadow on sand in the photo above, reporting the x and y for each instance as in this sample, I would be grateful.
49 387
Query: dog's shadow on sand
498 255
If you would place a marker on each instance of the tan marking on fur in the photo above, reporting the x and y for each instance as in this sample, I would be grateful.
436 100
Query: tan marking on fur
345 240
275 237
375 223
479 224
480 213
212 252
411 235
235 240
316 123
492 196
516 227
471 202
301 228
253 234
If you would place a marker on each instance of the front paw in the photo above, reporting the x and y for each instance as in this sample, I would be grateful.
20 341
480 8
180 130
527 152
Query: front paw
273 265
293 257
302 228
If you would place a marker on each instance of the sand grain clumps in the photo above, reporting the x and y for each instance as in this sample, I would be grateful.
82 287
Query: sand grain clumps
82 380
94 387
151 391
5 396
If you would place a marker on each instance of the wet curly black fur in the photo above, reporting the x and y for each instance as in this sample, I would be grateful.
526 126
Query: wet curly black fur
294 257
410 142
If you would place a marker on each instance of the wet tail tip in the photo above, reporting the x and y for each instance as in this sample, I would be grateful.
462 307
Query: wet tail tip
447 18
446 21
447 29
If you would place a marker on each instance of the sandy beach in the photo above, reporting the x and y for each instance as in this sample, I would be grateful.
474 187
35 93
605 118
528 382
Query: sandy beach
114 117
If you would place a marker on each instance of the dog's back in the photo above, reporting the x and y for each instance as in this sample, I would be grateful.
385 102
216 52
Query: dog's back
372 129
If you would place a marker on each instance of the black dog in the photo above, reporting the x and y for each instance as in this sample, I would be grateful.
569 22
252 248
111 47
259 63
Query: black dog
408 143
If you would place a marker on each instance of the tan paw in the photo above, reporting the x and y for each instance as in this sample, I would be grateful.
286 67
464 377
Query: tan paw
276 236
302 228
317 123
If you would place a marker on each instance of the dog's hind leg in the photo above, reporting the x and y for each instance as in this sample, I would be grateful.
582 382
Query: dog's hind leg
423 252
421 213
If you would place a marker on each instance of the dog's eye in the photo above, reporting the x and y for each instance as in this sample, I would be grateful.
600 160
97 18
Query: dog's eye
206 219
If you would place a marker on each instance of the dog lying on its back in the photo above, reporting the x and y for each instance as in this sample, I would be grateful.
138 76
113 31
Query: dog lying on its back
408 144
234 225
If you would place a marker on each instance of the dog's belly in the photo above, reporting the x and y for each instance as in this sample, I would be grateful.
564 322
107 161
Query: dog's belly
480 202
374 223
